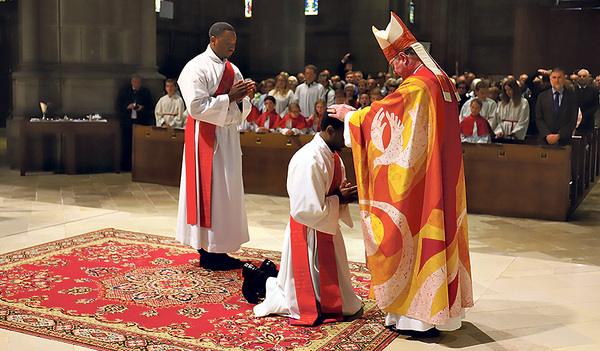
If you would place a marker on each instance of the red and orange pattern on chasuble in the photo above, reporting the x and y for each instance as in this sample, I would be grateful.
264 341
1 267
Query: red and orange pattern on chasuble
409 171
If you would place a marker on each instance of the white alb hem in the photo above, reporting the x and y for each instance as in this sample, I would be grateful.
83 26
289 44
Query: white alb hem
402 322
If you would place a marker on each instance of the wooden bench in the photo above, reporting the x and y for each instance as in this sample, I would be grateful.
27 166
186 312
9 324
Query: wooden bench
517 180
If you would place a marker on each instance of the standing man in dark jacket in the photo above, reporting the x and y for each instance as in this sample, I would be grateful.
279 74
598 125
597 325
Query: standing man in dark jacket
556 111
587 100
134 104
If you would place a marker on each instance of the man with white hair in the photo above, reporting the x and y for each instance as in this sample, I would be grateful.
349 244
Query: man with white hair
587 100
411 188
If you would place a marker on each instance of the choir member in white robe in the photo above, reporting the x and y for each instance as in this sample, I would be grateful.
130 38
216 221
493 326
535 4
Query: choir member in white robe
488 111
170 109
309 92
282 100
310 175
198 81
513 113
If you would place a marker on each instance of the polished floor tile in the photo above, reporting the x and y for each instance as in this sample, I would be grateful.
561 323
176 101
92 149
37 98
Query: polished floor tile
535 282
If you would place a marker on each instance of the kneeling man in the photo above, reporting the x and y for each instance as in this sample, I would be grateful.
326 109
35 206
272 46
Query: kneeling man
313 284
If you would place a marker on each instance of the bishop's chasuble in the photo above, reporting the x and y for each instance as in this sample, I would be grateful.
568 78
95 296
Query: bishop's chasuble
409 170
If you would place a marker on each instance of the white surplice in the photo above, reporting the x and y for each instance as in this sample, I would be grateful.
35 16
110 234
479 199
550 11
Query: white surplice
306 95
513 119
310 174
170 110
198 81
282 101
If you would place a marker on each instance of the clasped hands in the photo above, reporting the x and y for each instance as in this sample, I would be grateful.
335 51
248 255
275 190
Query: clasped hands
552 139
135 107
240 90
347 193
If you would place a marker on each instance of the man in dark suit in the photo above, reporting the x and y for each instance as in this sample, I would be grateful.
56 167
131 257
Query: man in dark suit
134 105
587 99
556 111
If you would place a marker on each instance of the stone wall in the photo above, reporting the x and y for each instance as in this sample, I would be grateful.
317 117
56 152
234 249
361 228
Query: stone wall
77 54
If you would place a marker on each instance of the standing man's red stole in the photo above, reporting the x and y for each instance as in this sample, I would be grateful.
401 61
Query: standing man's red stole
331 300
206 143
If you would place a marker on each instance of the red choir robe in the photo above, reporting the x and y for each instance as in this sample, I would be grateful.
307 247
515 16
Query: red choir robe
298 122
467 126
273 117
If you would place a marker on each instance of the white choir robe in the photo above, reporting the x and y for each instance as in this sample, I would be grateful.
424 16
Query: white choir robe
282 101
488 111
520 116
198 81
310 174
170 110
306 96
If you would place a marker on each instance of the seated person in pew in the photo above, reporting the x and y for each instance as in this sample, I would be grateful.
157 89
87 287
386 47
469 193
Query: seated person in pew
170 110
375 95
364 101
313 284
512 113
294 123
488 111
314 122
474 128
269 120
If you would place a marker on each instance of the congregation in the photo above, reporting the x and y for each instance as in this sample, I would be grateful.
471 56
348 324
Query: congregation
500 109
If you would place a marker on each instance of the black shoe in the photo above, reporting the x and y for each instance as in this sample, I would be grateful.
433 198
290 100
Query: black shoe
431 333
218 261
250 284
269 268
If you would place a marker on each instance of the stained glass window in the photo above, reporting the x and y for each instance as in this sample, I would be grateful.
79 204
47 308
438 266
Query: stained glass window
248 8
311 7
157 5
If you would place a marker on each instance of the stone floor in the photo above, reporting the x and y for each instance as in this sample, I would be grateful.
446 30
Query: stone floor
536 283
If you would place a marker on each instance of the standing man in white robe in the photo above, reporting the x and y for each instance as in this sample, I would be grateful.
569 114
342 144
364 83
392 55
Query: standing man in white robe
309 92
311 173
214 103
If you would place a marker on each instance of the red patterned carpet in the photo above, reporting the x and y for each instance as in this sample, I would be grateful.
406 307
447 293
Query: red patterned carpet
118 290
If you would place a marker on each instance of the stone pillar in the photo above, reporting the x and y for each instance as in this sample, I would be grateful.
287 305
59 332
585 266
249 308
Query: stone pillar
277 37
29 31
77 54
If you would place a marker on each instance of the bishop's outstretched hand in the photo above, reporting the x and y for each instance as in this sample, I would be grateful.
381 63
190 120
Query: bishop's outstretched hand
339 111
